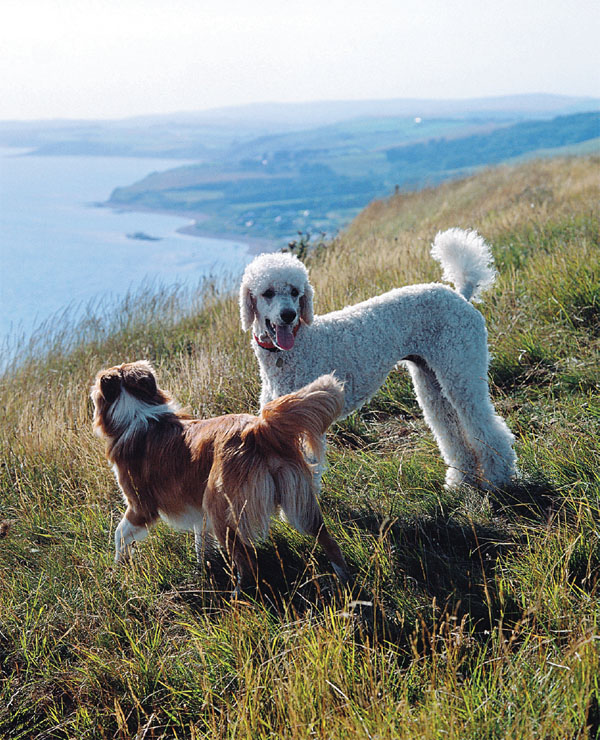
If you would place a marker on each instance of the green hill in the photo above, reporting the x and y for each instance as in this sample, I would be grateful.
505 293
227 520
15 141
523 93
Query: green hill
318 180
471 616
439 155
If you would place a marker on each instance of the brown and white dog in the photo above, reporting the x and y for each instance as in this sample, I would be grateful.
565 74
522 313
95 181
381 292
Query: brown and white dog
226 475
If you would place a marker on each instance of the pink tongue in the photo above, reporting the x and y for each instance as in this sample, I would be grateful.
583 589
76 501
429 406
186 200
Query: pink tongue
285 336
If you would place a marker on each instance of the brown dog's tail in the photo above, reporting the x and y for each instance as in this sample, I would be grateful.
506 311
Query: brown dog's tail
301 418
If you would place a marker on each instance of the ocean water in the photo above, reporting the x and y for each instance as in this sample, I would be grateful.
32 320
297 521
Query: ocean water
58 249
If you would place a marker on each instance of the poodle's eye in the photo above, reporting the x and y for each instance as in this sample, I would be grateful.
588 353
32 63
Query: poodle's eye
294 292
269 293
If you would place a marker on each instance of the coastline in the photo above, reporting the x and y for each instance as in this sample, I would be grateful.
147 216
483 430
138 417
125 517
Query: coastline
97 262
255 244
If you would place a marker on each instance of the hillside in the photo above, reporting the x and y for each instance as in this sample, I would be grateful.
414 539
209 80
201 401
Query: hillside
442 155
471 616
318 180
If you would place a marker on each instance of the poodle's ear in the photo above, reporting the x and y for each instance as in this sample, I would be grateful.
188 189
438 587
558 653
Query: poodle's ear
306 304
247 307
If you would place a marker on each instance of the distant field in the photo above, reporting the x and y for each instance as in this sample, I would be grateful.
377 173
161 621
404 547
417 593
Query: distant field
318 180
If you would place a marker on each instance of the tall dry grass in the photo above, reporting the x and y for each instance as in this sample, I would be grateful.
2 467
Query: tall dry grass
470 616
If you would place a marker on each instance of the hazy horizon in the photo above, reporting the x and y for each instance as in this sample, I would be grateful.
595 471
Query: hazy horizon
308 103
118 59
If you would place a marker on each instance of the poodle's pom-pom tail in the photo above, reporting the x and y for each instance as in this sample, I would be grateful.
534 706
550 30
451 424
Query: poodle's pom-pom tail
303 416
466 260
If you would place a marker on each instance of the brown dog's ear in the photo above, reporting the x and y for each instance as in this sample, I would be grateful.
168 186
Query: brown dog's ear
110 386
140 376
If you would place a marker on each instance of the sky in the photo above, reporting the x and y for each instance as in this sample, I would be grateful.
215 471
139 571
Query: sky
103 59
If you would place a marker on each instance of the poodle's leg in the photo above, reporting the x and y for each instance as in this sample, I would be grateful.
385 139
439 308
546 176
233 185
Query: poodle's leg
488 433
440 415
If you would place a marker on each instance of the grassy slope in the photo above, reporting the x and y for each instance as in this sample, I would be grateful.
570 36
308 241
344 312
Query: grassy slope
471 616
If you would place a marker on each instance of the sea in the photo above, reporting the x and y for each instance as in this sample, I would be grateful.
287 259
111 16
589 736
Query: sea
59 250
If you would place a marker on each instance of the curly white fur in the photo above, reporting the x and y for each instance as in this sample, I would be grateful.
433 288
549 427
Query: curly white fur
434 329
466 261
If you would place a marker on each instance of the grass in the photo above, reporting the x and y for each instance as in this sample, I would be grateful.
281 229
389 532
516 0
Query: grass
471 616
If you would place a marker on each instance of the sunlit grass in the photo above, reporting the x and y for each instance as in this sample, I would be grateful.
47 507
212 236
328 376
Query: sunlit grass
470 616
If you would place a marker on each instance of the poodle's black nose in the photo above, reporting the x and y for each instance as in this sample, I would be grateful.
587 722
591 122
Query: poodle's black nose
287 315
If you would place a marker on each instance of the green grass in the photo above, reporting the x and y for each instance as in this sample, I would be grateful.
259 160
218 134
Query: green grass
470 616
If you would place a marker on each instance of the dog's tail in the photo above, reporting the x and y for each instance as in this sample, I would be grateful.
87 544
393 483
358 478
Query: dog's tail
467 261
299 420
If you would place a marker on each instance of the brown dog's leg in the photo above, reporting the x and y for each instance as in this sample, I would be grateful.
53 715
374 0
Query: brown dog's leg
241 555
132 528
303 512
333 552
315 525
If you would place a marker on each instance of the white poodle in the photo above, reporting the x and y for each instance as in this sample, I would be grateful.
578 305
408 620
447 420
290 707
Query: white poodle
434 329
